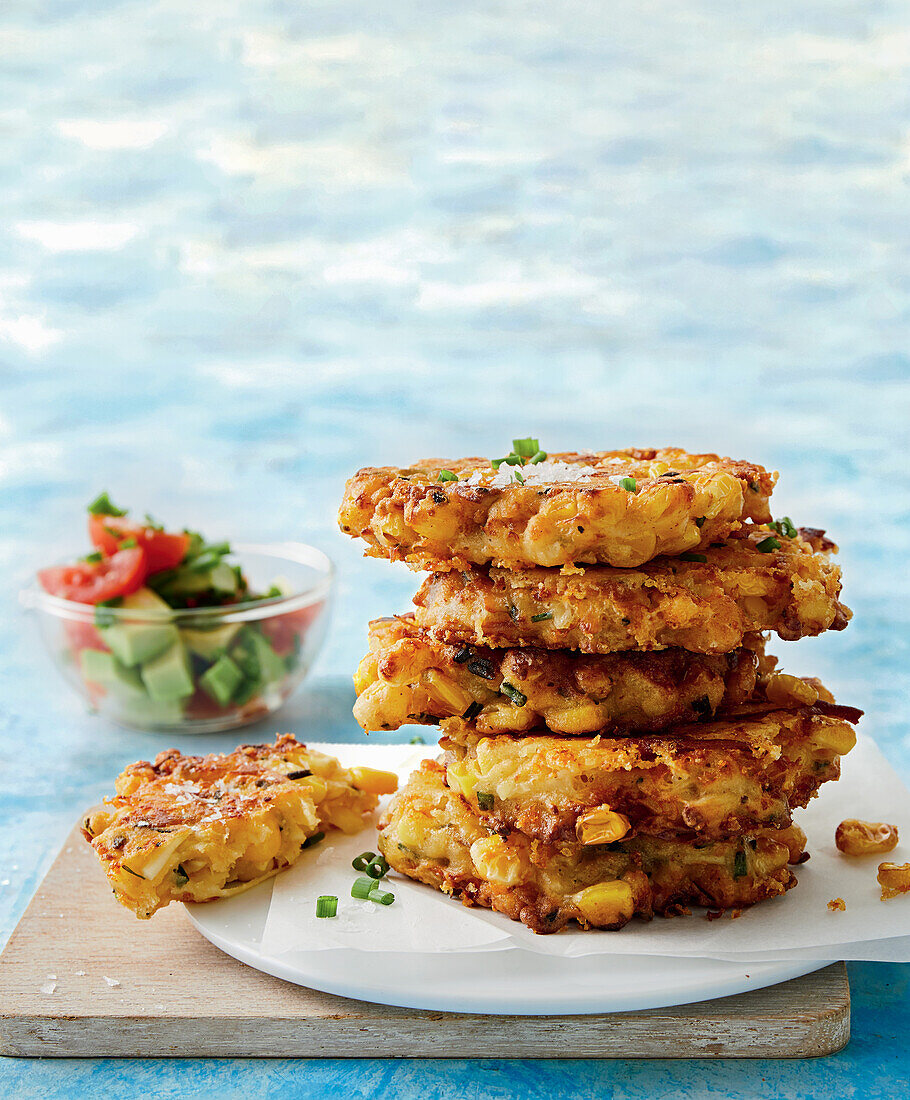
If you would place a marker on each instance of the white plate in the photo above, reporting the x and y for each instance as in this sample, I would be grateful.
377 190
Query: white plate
509 981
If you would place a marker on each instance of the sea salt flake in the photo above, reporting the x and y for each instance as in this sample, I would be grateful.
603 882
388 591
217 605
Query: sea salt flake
48 988
112 982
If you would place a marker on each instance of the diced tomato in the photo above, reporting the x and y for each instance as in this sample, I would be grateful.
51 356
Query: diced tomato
92 582
162 550
282 630
82 636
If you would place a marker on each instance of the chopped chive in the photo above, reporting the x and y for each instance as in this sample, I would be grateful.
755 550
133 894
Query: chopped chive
153 523
629 484
362 887
480 666
519 477
377 868
312 841
381 897
768 544
363 861
102 506
739 864
517 697
689 556
485 801
784 527
700 522
130 871
473 710
464 654
94 557
128 544
543 615
326 905
418 740
541 456
447 475
525 448
181 878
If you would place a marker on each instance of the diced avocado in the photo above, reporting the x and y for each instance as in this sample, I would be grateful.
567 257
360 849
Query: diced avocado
134 643
246 691
271 666
168 676
221 680
148 712
221 578
209 644
103 668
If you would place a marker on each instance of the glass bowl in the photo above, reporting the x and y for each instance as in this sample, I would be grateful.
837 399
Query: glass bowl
156 670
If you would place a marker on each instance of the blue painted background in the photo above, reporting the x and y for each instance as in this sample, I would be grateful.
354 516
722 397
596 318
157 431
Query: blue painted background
250 245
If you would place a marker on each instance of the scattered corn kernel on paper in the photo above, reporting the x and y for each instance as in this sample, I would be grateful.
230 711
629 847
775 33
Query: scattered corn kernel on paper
797 925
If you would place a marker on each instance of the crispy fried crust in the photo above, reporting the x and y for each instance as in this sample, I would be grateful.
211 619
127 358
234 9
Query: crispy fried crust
715 779
407 677
409 515
430 834
705 607
196 828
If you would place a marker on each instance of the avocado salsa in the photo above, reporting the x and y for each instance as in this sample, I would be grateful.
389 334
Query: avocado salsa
161 667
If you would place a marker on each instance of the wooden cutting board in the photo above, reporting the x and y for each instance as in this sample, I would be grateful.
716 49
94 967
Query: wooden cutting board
82 977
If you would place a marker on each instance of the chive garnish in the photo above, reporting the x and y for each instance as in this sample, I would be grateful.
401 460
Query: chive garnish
525 448
447 475
130 871
519 477
739 864
362 887
128 544
377 868
363 861
180 876
418 740
102 506
541 456
517 697
768 544
312 841
700 522
689 556
94 557
326 905
464 654
629 484
485 801
543 615
381 897
784 527
472 711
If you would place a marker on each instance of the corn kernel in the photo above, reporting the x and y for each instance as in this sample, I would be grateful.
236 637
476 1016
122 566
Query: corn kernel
317 786
894 879
606 903
835 735
457 776
584 718
601 826
493 860
860 838
374 781
448 693
348 821
789 690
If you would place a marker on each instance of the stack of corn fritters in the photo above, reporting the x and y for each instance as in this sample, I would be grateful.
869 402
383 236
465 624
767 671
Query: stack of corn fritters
590 639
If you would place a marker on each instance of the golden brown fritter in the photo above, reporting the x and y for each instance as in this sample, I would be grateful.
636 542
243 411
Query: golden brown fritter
559 515
407 677
196 828
430 834
703 606
716 779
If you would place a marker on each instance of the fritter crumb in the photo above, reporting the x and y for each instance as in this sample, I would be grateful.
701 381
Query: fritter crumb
837 905
894 879
863 838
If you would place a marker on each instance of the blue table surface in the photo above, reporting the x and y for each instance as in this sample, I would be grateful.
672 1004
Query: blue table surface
251 245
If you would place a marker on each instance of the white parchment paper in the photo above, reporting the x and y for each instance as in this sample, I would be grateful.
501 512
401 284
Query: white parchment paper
797 925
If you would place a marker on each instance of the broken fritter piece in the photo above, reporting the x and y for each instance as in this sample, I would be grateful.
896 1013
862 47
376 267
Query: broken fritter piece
618 507
196 828
430 834
716 779
407 677
707 603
